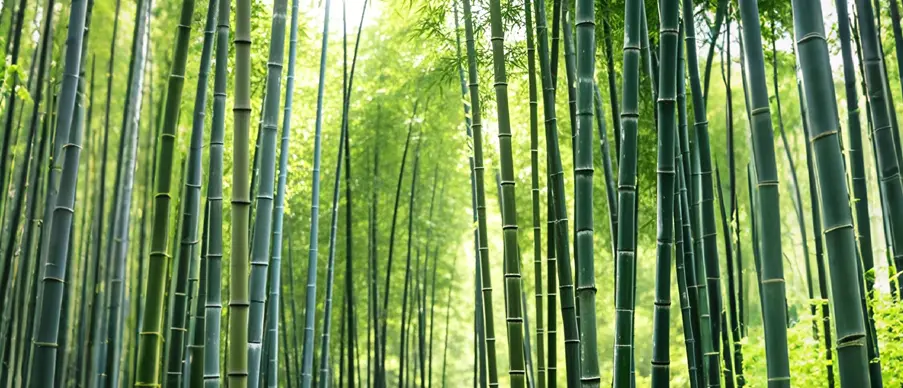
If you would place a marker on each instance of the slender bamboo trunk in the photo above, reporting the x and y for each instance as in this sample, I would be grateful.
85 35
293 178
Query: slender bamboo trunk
534 188
131 122
625 300
667 126
479 170
213 304
734 266
191 214
150 342
279 212
837 221
310 303
239 292
704 196
51 299
772 268
263 221
883 132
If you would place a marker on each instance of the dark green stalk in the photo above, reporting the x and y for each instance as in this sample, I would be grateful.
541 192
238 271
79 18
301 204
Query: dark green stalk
46 334
239 290
771 272
150 343
683 170
534 188
720 13
279 212
703 195
794 182
625 301
324 377
189 235
558 209
857 173
511 262
610 189
837 220
213 304
310 303
819 250
666 106
612 96
190 218
385 307
263 221
479 170
882 133
732 336
682 247
734 276
131 123
583 157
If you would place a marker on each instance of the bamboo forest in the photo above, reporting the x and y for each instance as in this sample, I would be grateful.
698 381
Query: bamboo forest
451 193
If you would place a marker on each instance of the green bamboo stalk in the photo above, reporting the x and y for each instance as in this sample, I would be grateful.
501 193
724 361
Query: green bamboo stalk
150 343
837 221
703 200
189 238
514 313
586 287
772 269
190 218
310 303
610 189
720 13
681 247
819 249
733 256
479 170
556 182
214 301
612 99
263 220
857 173
627 191
239 298
279 212
324 376
131 122
882 136
534 189
50 301
385 308
730 335
666 106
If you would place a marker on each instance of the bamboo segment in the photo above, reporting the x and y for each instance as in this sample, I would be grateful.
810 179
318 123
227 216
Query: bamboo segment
771 272
837 220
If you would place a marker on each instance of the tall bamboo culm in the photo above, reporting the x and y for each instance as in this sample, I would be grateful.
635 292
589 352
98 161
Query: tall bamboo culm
625 300
771 271
837 220
279 210
479 172
310 306
46 332
667 128
239 303
263 221
214 301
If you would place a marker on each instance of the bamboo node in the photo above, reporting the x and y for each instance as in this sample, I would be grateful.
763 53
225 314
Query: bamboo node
823 135
812 36
837 227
